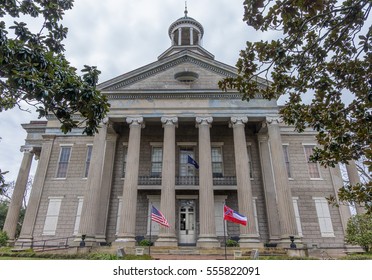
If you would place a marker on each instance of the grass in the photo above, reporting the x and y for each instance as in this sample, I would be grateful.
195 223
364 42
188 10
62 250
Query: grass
7 254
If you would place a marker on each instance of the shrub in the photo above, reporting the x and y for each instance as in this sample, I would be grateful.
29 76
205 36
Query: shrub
232 243
102 256
3 238
359 231
144 243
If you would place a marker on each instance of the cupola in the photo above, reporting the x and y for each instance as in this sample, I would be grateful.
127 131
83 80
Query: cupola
186 31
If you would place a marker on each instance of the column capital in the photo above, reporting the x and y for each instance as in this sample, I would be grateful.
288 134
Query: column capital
274 120
27 149
168 120
238 120
203 121
135 121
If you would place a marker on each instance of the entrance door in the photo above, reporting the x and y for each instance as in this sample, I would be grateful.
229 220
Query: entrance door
187 222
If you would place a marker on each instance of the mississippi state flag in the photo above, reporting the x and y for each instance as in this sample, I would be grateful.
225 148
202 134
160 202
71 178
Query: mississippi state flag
192 161
158 217
233 216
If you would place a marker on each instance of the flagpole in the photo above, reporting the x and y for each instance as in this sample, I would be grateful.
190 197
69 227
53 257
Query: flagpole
150 231
224 232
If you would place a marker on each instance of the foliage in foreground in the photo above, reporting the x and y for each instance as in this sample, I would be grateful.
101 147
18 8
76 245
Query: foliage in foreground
33 68
3 238
359 231
323 50
6 252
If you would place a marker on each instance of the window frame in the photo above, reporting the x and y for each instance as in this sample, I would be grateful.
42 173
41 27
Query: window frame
88 159
154 163
52 215
324 217
310 164
287 160
59 174
214 174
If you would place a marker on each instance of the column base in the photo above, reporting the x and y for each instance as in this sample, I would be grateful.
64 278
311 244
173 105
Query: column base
125 241
250 241
166 241
207 241
24 242
10 242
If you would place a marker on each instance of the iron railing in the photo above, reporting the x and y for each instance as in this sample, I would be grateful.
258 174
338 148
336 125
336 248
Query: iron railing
42 245
187 180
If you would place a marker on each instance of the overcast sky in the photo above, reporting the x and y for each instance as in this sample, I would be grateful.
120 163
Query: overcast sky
118 36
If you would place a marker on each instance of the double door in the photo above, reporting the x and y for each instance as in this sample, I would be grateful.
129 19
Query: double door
187 234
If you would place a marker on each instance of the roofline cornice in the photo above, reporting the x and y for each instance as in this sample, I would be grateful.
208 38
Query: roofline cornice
162 65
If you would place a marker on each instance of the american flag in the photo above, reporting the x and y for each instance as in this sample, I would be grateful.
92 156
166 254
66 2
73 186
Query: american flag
158 217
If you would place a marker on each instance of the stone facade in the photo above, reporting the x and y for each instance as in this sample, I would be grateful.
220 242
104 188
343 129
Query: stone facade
101 187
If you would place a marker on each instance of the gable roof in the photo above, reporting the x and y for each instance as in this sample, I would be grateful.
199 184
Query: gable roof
186 56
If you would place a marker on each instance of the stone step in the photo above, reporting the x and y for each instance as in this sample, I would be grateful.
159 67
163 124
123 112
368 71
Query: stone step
184 252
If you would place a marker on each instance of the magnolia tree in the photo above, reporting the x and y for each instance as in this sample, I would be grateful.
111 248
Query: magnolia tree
34 70
324 49
359 231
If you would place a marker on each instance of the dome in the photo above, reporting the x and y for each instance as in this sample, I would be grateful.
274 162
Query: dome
186 31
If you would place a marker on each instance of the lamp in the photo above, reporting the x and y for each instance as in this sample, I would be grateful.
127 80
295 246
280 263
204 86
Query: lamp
292 245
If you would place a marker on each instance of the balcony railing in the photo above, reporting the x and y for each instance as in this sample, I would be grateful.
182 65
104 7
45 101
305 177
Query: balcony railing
187 180
149 180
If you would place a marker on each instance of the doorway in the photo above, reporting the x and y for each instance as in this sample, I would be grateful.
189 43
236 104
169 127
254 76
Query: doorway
187 232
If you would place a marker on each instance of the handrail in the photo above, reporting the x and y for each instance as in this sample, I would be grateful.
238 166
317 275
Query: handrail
43 244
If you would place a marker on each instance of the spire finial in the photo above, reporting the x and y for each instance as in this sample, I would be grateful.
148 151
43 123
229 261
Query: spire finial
186 9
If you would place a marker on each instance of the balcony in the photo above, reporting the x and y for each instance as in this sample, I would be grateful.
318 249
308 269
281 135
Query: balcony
186 180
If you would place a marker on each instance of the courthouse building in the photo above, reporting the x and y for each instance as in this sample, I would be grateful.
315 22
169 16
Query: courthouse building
102 187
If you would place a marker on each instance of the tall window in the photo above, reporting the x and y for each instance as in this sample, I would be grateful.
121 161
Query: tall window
286 160
324 217
87 160
185 168
313 166
78 215
249 150
64 158
297 215
51 219
156 161
125 152
217 164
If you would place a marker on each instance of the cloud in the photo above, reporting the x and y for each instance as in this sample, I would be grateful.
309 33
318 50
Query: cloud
119 36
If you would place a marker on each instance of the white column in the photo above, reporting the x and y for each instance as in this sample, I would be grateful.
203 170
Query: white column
248 234
89 213
126 234
337 183
283 192
207 236
352 173
269 188
172 39
191 36
15 205
106 183
95 204
167 236
179 36
37 190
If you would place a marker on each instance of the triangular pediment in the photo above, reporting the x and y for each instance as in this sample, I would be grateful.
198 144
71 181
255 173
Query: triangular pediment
161 74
